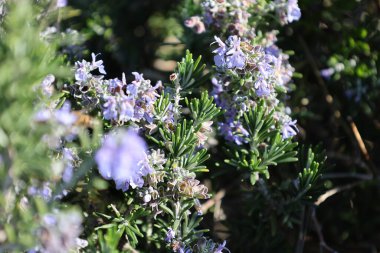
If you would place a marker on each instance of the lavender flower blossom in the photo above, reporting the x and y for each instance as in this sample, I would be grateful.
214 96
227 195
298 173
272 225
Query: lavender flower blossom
235 57
110 108
265 65
288 11
68 159
61 3
283 70
289 128
64 115
97 64
42 115
170 235
262 88
138 77
185 250
126 105
118 108
47 85
234 132
327 73
114 85
221 247
132 101
60 231
203 132
219 58
45 192
83 69
293 11
121 158
229 55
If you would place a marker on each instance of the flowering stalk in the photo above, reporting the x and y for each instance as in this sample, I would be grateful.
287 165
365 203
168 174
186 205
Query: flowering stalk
159 172
251 78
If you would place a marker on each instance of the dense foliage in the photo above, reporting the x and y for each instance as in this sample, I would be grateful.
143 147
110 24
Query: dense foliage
189 126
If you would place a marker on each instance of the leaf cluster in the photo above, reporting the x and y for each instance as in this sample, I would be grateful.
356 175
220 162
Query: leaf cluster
190 73
266 145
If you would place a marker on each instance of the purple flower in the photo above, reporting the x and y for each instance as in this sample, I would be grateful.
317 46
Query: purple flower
283 70
127 111
47 85
289 128
133 89
262 88
97 64
68 159
327 73
170 235
119 108
234 132
68 173
217 85
82 71
136 104
221 247
114 85
60 231
235 57
184 250
231 56
61 3
42 115
272 50
138 76
110 108
236 60
81 75
240 134
265 67
293 11
219 58
44 192
64 115
122 157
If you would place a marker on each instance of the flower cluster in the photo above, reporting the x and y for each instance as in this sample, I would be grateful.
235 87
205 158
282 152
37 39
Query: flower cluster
230 16
234 17
229 55
203 245
245 74
63 119
59 232
158 175
132 101
288 11
119 101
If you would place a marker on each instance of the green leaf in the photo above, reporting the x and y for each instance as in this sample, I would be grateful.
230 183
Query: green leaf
190 73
